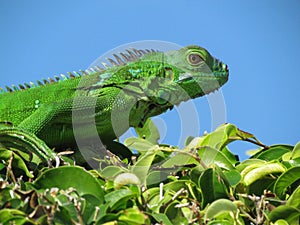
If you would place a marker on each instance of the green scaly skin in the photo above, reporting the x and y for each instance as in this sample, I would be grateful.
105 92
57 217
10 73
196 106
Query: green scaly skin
139 85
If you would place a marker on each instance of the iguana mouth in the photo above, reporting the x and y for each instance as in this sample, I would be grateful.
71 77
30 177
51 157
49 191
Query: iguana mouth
218 71
213 75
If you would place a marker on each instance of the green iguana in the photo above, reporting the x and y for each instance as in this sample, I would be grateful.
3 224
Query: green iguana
105 102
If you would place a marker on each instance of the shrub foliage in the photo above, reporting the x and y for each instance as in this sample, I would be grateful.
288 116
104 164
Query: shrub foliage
203 183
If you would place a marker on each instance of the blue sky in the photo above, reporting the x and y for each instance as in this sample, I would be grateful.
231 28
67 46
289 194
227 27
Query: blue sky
259 40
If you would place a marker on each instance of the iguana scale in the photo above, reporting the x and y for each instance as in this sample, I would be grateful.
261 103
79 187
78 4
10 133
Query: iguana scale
137 85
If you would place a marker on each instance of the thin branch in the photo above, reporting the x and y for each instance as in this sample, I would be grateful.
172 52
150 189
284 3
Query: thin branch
9 169
256 142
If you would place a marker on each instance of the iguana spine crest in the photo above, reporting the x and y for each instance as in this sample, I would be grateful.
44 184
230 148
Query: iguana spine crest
129 55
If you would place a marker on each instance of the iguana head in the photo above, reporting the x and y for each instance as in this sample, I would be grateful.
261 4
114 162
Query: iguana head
199 73
166 79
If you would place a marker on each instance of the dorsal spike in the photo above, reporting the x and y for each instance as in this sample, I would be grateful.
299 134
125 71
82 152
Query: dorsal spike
71 75
132 56
27 86
45 81
93 70
51 80
119 60
125 57
105 65
88 71
15 88
112 62
76 74
139 53
83 72
32 84
8 89
21 87
64 77
39 83
99 69
142 52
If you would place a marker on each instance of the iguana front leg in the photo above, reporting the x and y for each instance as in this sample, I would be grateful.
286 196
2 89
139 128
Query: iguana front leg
16 138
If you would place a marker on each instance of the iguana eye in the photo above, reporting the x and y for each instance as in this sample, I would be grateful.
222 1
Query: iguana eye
195 59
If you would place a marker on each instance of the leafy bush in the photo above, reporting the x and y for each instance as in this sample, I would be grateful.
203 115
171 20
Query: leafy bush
203 183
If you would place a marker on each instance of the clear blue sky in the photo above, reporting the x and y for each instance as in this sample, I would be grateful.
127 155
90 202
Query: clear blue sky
259 40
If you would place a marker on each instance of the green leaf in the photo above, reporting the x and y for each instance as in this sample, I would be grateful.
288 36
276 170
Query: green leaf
17 162
175 214
149 132
296 151
155 177
248 162
161 218
202 155
102 212
132 216
154 202
8 214
233 177
176 185
139 144
142 166
118 198
281 222
221 137
2 166
255 172
14 216
230 156
211 156
293 200
206 155
111 223
219 222
110 172
286 179
231 217
258 187
219 207
292 162
65 214
213 186
288 213
90 208
188 140
179 159
171 211
273 153
66 177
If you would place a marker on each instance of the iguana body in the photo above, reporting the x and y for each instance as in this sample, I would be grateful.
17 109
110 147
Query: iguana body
139 84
